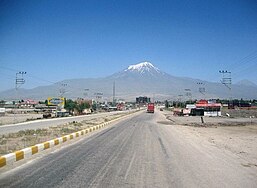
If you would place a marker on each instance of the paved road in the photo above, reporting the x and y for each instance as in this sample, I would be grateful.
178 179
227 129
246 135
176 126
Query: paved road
137 152
36 124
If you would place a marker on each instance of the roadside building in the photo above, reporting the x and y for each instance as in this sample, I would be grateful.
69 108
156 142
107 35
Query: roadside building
2 111
207 108
9 104
142 100
187 111
29 103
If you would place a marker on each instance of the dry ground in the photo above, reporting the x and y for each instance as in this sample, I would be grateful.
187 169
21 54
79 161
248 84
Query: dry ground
18 118
236 135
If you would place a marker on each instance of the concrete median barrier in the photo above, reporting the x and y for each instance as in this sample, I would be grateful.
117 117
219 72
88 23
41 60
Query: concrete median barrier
26 153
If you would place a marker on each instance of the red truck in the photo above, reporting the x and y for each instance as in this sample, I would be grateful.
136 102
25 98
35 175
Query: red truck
150 107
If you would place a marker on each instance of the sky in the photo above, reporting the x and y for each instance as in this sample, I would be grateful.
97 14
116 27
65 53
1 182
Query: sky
54 40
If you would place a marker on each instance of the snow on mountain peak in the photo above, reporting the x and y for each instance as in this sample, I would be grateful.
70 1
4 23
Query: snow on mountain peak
143 67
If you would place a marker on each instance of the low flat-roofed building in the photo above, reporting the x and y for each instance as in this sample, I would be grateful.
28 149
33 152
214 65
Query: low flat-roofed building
209 108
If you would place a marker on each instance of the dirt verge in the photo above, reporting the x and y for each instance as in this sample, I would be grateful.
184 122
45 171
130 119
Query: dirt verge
236 135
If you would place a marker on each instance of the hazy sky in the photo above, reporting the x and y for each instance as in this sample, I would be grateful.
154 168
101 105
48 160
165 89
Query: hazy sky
59 39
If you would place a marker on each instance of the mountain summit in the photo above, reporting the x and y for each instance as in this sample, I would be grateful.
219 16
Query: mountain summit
141 70
144 67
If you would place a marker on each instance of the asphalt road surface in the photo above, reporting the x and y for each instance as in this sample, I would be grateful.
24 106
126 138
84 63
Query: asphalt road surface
39 124
136 152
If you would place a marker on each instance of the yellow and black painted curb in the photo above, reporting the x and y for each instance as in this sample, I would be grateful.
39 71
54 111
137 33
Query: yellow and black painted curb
11 158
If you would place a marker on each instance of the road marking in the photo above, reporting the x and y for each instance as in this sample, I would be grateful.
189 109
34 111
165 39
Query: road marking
163 148
130 164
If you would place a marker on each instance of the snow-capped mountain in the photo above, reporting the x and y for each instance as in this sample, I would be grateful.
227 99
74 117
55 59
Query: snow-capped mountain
144 67
143 79
140 70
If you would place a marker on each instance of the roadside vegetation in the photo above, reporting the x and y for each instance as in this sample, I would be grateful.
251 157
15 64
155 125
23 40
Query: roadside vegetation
76 106
15 141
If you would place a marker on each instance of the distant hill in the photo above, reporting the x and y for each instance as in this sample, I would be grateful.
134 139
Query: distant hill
143 79
246 83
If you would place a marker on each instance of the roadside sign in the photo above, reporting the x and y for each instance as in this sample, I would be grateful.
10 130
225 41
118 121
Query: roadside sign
55 101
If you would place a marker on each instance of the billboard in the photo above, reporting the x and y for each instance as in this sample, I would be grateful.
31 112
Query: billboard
56 101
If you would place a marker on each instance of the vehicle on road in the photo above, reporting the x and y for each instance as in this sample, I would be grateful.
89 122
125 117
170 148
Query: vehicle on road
49 114
150 107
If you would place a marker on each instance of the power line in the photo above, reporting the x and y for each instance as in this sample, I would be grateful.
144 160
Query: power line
246 59
243 63
61 85
249 69
29 74
8 76
6 68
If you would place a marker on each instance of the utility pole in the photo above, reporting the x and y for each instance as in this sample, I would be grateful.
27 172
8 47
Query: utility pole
62 90
86 93
227 81
19 79
188 94
98 97
179 99
113 94
226 78
201 88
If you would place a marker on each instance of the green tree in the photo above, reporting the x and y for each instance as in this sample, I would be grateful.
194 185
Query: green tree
82 106
166 104
70 105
